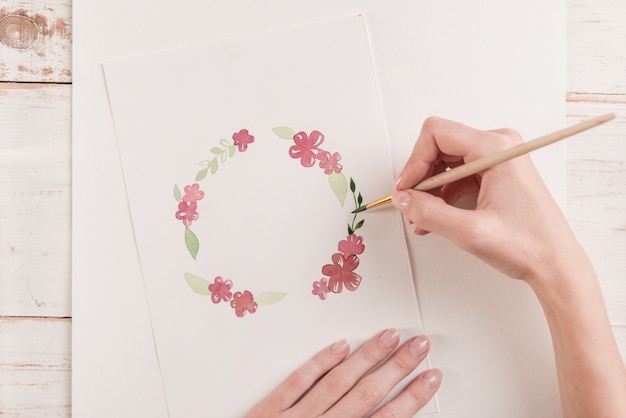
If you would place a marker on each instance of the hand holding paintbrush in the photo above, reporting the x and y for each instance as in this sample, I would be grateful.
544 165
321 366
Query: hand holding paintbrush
517 228
489 161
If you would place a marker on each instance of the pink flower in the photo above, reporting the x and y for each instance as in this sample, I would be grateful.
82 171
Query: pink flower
220 290
330 162
242 139
341 273
320 288
243 302
187 212
352 245
193 193
306 147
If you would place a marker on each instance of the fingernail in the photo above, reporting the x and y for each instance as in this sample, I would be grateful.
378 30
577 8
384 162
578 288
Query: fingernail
432 377
401 200
339 347
398 180
419 345
389 338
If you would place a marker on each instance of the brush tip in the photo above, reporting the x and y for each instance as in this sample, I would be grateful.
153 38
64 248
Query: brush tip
361 209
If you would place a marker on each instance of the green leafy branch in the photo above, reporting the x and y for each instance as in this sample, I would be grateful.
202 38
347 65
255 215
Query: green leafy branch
222 153
358 201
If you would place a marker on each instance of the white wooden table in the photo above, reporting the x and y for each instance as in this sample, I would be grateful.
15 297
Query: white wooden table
35 186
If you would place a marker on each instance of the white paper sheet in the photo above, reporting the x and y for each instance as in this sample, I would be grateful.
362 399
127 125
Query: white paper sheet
264 211
493 64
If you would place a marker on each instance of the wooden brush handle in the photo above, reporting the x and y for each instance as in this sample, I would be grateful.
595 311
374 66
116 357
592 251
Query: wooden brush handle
489 161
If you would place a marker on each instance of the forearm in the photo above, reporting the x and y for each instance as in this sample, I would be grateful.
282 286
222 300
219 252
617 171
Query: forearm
591 374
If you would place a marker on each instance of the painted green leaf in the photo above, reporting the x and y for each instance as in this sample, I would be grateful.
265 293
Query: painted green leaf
214 166
360 224
201 174
359 199
177 194
225 143
339 185
350 231
223 157
352 185
216 150
192 243
269 298
284 132
231 151
198 284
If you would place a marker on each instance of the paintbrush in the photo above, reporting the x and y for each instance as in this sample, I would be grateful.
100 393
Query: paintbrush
489 161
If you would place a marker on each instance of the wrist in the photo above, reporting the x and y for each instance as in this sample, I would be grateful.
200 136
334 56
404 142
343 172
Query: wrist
567 288
560 263
564 279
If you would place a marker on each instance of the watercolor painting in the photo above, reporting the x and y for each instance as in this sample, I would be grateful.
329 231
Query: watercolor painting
241 180
307 149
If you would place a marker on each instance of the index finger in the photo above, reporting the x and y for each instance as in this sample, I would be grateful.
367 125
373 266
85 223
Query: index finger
300 381
442 140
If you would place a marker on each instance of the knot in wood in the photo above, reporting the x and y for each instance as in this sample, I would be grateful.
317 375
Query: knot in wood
18 31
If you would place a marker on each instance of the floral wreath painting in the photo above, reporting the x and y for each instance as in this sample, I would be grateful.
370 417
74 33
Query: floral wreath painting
340 274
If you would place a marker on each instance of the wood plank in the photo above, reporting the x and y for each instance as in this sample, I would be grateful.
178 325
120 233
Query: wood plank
35 367
596 196
36 41
596 46
35 200
603 143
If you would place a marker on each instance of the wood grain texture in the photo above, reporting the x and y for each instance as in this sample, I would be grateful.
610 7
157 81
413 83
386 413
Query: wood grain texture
596 160
35 200
596 46
36 41
35 367
596 200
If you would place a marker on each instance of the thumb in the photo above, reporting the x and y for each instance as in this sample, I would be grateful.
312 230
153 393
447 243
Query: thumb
431 213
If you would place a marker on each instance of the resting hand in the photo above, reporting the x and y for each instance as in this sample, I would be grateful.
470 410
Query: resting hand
331 384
